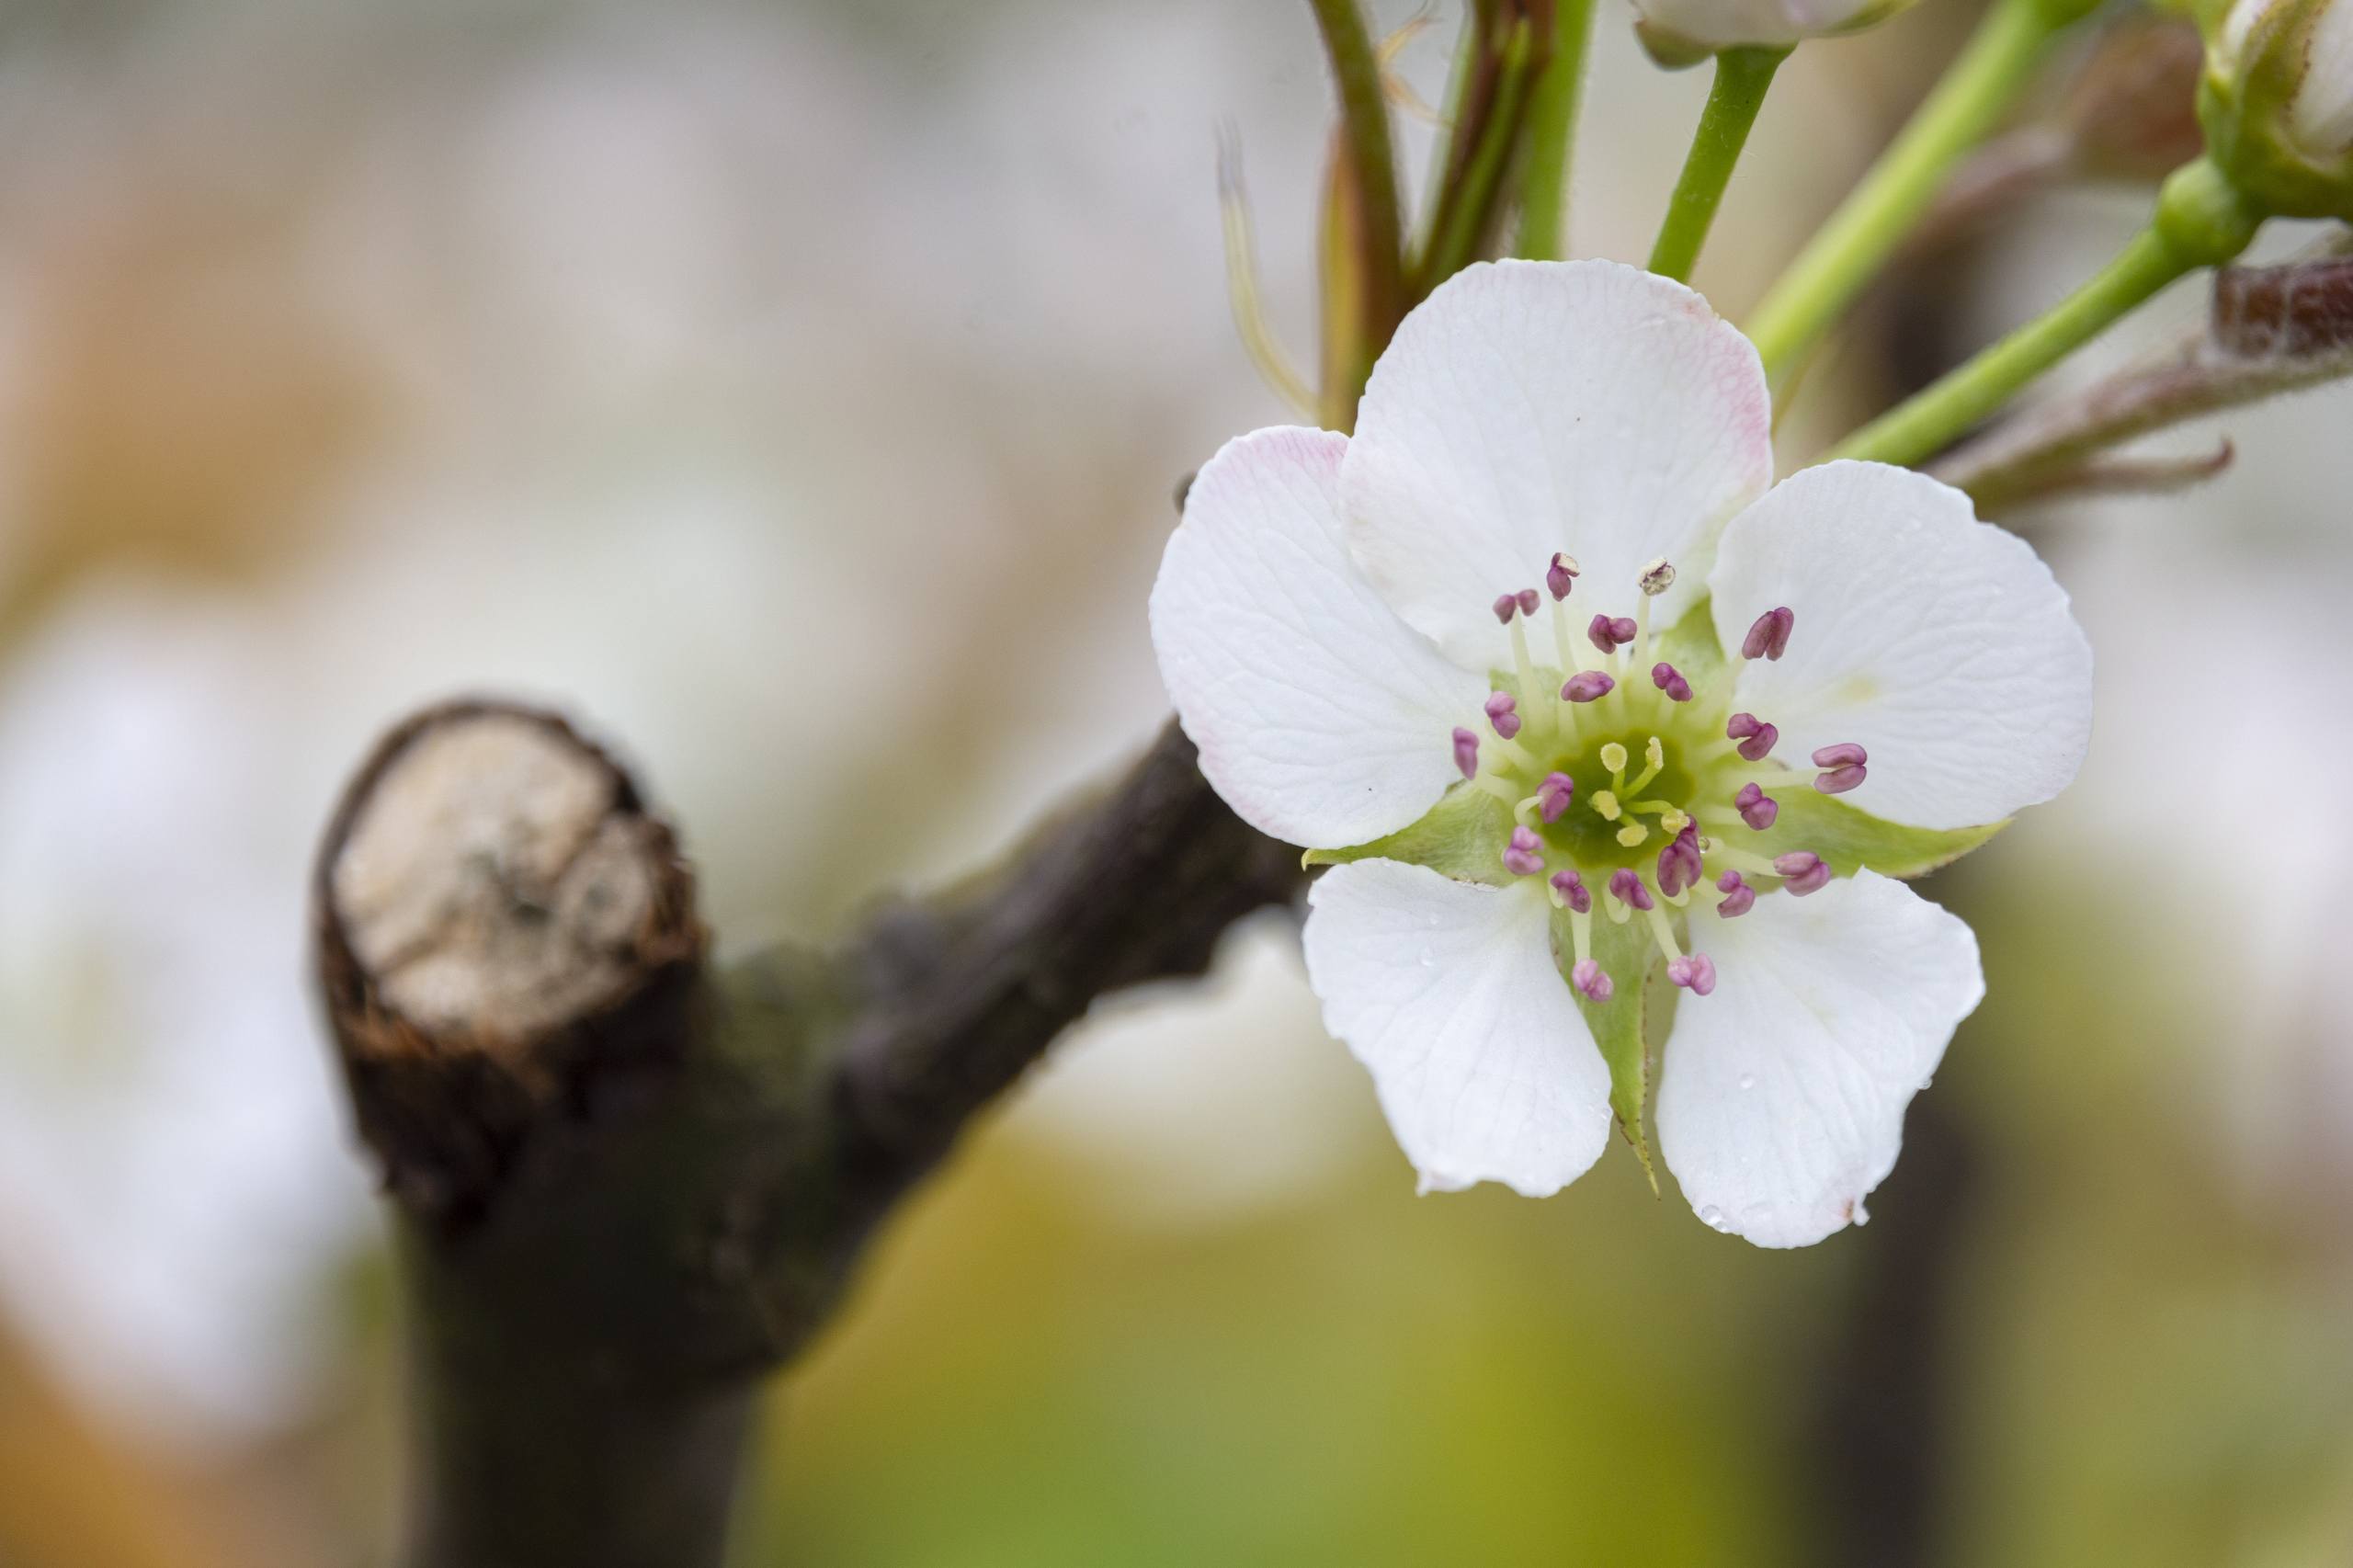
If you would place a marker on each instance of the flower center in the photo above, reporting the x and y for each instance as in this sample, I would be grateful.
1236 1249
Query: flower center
1631 787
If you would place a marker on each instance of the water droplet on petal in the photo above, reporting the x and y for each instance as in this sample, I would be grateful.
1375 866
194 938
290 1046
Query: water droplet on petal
1748 1080
1713 1218
1429 958
1861 1216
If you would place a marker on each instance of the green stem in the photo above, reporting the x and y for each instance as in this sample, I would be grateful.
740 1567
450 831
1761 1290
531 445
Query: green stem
1364 128
1741 77
1998 60
2199 222
1457 242
1552 134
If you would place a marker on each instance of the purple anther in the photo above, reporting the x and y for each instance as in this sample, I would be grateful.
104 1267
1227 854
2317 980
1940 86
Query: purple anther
1756 807
1572 889
1678 863
1524 856
1768 636
1697 972
1466 752
1739 897
1505 606
1668 679
1529 599
1626 887
1754 735
1562 575
1587 685
1503 714
1590 982
1553 796
1803 871
1611 635
1838 780
1847 753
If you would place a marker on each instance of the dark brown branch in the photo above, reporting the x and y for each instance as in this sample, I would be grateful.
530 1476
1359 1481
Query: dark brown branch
2272 331
1135 886
626 1186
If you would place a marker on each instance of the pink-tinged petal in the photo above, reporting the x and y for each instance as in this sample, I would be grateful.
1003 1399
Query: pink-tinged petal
1531 407
1940 645
1448 991
1322 718
1780 1103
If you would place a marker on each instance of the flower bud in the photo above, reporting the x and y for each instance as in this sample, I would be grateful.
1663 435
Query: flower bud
1684 32
2277 104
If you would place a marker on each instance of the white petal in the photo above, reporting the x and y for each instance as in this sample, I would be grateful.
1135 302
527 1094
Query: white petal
1321 717
1448 991
1527 407
1736 24
1941 644
1782 1097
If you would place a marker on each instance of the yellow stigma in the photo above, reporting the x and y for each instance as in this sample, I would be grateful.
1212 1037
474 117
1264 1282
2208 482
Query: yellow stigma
1606 803
1613 757
1673 821
1654 754
1633 833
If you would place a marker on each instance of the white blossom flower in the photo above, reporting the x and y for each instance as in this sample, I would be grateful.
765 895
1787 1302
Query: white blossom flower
2277 104
1550 811
1682 32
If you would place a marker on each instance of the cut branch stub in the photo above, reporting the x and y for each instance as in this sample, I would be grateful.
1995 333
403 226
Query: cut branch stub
504 934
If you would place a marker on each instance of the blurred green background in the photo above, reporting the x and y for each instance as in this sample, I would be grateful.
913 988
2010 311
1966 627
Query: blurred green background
795 392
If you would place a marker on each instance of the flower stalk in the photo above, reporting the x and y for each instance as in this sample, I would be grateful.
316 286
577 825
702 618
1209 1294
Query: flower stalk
1551 136
1849 250
1364 229
2201 221
1742 78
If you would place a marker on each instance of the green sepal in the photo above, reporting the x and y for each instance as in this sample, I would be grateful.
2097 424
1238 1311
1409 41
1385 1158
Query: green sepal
1692 647
1463 836
1849 838
1623 1025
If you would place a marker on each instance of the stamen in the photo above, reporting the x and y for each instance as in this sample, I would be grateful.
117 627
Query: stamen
1756 807
1498 789
1670 681
1769 637
1678 863
1611 635
1657 578
1569 892
1561 576
1523 666
1805 871
1505 606
1589 979
1626 886
1739 897
1587 686
1755 736
1553 795
1503 714
1695 973
1466 752
1528 600
1524 856
1844 764
1663 933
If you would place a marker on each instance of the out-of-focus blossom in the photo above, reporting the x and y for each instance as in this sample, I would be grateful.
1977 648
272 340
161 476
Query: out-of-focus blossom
2277 104
1683 33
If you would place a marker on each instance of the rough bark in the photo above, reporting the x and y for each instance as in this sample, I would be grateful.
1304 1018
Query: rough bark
627 1185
